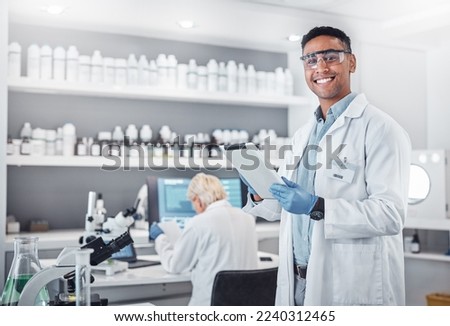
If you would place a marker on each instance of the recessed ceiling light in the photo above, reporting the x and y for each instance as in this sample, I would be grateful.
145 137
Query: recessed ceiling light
54 10
186 24
294 38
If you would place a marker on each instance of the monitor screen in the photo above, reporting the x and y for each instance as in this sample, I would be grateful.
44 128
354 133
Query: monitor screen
168 198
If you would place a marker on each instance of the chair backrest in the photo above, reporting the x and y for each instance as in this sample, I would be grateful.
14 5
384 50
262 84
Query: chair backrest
245 288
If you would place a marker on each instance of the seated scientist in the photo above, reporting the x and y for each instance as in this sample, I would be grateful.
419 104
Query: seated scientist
219 237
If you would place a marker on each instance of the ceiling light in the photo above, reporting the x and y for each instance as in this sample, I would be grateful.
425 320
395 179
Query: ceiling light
186 24
294 38
54 10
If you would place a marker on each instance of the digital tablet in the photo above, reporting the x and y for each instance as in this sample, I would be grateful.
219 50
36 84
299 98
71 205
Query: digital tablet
251 164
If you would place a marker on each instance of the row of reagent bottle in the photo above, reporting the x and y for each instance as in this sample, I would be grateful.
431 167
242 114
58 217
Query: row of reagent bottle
59 64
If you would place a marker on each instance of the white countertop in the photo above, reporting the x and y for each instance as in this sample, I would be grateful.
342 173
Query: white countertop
58 239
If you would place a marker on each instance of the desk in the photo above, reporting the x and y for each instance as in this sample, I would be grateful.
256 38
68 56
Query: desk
150 284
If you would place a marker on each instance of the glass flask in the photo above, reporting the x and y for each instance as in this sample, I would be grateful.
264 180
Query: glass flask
83 277
24 265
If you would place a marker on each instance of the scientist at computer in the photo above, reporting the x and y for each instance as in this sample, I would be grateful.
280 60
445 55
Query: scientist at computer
219 237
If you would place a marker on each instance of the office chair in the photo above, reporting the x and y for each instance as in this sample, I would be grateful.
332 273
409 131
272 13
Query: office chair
245 288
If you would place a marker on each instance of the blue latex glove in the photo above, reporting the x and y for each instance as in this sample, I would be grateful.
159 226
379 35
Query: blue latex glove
155 231
293 198
249 188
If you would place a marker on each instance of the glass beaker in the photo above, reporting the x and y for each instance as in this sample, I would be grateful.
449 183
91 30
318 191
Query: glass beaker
83 277
24 265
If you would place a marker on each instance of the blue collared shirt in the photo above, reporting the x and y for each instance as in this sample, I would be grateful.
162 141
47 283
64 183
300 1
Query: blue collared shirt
302 225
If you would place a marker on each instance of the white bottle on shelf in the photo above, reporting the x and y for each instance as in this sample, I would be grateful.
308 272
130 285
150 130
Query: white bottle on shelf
109 70
38 142
202 78
14 60
261 82
145 134
232 76
271 83
242 79
132 70
182 70
33 61
84 72
59 64
46 62
213 75
131 133
50 142
59 144
153 69
72 64
223 78
161 63
251 79
117 134
288 83
26 131
171 71
279 81
192 75
143 71
120 71
97 67
69 139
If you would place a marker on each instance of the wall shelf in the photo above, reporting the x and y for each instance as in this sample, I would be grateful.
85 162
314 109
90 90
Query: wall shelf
25 85
427 224
428 256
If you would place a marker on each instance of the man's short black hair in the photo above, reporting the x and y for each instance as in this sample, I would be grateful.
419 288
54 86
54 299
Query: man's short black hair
329 31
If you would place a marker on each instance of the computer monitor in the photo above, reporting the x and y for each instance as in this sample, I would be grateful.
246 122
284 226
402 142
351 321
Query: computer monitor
167 198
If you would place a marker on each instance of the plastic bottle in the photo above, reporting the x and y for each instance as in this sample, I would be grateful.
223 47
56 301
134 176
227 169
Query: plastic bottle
26 130
192 74
145 134
24 265
109 70
25 146
242 79
153 73
213 75
50 142
10 150
33 61
202 78
72 64
171 71
232 76
182 70
121 72
161 63
117 134
38 142
270 77
131 133
69 139
415 243
84 69
279 81
132 70
251 79
59 144
97 68
46 63
288 83
14 60
143 71
223 78
59 64
261 82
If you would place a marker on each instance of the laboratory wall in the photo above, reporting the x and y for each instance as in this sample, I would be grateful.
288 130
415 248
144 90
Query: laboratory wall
438 86
395 80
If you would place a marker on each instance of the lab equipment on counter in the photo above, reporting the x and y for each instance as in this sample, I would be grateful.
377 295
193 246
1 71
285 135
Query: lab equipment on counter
24 266
65 268
83 277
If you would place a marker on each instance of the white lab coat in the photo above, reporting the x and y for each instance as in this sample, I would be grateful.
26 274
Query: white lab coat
357 250
221 238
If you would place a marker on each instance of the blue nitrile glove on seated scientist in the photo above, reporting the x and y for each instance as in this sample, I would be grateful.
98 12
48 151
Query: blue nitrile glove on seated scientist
293 198
155 231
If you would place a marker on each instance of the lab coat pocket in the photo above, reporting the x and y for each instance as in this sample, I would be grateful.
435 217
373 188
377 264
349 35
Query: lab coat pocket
357 277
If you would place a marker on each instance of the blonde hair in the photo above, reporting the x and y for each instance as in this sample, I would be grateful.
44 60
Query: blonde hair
207 188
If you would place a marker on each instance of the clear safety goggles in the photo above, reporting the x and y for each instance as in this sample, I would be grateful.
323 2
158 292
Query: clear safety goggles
329 57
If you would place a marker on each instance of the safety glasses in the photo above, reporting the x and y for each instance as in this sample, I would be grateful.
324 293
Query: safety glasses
330 57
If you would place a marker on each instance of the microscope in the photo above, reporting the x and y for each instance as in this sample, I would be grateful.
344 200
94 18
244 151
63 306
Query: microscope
64 268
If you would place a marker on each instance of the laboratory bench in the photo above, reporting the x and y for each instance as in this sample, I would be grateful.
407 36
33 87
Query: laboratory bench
152 284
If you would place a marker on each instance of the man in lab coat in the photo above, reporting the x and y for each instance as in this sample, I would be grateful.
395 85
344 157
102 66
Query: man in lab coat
220 237
343 205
